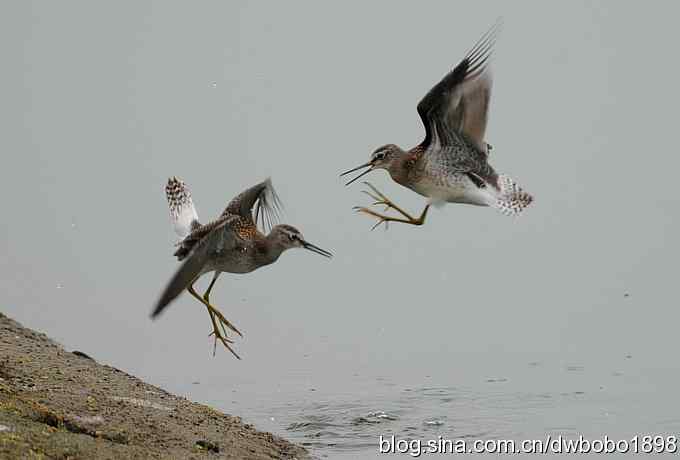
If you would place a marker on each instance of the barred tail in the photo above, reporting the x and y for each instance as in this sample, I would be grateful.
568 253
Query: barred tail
511 199
182 211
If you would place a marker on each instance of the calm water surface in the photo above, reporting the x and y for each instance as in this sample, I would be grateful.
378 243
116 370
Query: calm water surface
482 396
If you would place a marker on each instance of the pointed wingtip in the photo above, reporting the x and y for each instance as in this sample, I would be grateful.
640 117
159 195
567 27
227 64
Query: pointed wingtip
156 311
161 305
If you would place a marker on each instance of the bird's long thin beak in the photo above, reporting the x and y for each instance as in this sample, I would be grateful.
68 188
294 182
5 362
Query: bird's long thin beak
317 249
365 165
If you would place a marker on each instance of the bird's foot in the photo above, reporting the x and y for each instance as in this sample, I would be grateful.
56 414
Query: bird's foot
218 335
225 341
224 321
382 200
218 322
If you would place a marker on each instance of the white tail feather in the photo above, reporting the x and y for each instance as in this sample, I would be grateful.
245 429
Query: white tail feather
511 199
182 211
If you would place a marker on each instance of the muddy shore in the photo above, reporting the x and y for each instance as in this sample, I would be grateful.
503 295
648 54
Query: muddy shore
61 404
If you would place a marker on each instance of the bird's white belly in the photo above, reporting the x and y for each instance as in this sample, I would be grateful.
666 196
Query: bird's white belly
457 190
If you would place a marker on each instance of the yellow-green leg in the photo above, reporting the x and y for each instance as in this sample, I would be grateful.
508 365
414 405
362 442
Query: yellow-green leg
381 199
215 315
206 298
206 301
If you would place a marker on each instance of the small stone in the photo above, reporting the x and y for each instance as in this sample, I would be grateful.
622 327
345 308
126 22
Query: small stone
208 445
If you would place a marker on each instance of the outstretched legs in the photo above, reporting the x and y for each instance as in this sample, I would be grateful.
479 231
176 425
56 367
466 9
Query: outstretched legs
215 311
216 317
381 199
206 298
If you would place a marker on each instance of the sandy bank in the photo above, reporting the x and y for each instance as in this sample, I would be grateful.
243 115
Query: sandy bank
59 404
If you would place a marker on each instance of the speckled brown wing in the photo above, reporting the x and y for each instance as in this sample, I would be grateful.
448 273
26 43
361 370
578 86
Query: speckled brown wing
243 227
187 244
263 198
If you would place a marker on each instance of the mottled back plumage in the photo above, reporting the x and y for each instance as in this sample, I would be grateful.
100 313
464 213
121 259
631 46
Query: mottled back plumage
239 213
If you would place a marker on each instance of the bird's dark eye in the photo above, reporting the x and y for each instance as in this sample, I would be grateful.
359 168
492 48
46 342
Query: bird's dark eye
292 237
380 156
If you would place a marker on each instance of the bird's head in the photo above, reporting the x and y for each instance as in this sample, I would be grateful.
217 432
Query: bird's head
287 237
381 158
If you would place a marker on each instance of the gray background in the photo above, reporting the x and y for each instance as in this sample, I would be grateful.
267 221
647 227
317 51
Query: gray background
101 102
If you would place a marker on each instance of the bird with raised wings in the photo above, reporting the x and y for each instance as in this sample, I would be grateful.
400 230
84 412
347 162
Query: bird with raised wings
232 243
451 164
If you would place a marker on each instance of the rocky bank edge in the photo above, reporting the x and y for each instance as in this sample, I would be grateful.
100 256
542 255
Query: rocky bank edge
64 405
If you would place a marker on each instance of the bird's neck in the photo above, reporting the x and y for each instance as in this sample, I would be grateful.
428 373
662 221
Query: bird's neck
269 250
402 166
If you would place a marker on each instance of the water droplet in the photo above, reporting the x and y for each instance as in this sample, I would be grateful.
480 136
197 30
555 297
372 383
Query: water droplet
373 418
433 422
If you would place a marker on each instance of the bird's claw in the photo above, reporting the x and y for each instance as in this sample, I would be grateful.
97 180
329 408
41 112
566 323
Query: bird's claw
221 336
225 322
380 200
219 321
225 341
381 219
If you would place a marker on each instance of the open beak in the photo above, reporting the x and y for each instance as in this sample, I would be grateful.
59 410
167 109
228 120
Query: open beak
317 249
365 165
